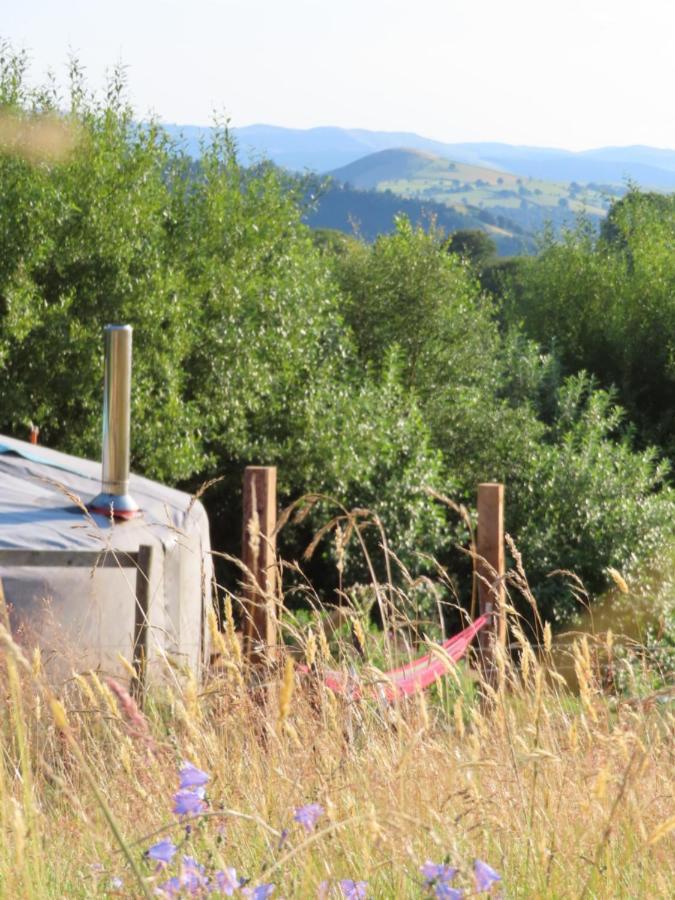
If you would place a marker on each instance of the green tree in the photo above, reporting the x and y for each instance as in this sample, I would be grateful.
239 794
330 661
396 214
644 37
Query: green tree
605 504
241 354
85 242
607 304
474 245
363 372
499 409
405 292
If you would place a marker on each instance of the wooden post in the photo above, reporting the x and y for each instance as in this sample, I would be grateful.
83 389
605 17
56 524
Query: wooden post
490 570
259 557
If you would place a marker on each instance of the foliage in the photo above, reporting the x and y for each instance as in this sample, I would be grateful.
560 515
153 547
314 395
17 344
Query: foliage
84 243
628 216
407 293
498 409
593 502
502 275
404 291
607 304
474 245
365 373
332 241
241 354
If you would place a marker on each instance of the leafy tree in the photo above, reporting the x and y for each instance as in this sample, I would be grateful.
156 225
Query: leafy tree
474 245
241 354
605 504
607 305
636 210
332 241
84 243
499 409
364 372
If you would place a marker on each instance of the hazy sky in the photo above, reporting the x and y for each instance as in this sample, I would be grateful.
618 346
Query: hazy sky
565 73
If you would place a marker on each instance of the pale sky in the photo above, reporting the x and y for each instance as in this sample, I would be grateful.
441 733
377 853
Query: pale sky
564 73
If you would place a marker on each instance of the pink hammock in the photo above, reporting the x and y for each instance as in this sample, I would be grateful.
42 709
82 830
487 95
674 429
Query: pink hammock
413 676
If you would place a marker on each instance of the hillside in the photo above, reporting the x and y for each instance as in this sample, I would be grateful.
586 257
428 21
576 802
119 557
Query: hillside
528 202
370 213
326 148
512 192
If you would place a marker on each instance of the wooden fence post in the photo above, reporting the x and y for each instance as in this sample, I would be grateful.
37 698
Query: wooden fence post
490 570
259 557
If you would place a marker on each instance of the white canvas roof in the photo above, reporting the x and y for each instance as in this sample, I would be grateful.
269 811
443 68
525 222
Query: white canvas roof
84 616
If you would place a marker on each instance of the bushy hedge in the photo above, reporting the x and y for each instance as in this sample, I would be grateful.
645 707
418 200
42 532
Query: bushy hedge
367 374
606 303
579 497
241 354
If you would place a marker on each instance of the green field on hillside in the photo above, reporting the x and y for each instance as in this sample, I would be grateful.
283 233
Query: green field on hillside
529 202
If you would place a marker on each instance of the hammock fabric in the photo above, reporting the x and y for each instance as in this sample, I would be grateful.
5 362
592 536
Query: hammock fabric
414 676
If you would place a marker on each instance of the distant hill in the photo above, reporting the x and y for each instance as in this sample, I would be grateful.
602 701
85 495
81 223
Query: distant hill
528 202
392 166
326 148
371 213
648 166
314 149
511 192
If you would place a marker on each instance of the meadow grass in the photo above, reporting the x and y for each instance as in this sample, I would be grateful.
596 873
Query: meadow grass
563 794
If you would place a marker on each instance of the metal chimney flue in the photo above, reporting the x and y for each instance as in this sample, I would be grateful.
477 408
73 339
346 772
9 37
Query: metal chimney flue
115 497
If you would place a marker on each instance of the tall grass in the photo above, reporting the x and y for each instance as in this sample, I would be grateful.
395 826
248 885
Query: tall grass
563 794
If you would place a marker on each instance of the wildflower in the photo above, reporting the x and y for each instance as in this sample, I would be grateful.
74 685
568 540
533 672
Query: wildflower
163 851
227 882
437 874
116 884
443 891
353 890
192 876
262 892
189 803
283 837
192 777
170 888
308 815
190 864
485 876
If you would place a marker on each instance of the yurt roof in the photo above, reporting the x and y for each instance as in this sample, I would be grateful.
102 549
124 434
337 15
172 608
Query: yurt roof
39 493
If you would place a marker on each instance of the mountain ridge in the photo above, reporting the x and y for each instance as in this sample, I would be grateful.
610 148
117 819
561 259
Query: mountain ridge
325 148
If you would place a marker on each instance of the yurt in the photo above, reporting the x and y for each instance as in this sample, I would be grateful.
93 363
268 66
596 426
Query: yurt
98 566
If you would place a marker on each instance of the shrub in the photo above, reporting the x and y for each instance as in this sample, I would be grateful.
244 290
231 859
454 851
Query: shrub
241 353
364 374
607 304
578 496
593 502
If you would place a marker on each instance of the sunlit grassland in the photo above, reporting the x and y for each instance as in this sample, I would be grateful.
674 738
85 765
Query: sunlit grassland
565 795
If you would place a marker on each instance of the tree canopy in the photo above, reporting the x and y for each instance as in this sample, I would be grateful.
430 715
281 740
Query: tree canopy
367 372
